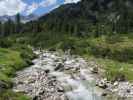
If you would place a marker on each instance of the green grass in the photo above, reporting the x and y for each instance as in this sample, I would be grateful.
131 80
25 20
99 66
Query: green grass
114 54
13 56
113 68
9 95
10 61
117 48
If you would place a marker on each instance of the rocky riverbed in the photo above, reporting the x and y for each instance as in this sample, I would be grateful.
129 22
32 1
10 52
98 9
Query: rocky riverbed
61 76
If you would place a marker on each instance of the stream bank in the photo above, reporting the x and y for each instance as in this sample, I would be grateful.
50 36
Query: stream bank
61 76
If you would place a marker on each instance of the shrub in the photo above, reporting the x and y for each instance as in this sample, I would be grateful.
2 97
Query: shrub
5 43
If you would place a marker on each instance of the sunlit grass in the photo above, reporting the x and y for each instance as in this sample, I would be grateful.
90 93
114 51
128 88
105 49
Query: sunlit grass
11 60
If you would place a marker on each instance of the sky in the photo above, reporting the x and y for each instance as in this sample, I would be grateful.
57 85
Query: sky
27 7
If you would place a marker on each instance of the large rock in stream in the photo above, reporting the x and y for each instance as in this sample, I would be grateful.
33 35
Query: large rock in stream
59 67
3 86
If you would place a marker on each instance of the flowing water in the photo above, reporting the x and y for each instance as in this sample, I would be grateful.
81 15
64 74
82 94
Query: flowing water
72 73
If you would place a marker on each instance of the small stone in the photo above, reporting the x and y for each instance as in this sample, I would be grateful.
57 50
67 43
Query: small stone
128 90
47 71
19 91
103 86
95 70
35 98
104 94
116 83
20 82
60 89
56 60
60 66
52 49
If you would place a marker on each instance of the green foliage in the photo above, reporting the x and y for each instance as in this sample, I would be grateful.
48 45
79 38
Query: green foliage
14 56
10 61
5 43
114 69
111 47
9 95
68 44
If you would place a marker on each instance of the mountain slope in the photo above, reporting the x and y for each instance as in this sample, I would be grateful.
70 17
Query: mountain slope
82 16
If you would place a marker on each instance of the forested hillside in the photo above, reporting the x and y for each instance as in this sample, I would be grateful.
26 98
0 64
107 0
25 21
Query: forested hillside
91 17
86 17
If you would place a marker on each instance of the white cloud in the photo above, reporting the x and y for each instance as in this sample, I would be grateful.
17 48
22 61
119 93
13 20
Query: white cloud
11 7
31 8
71 1
47 3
